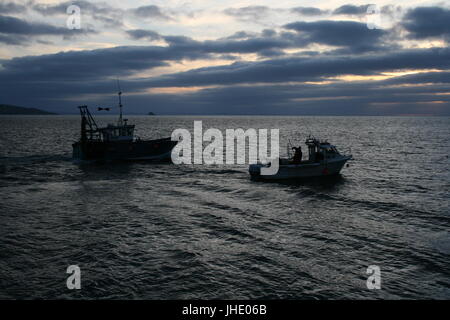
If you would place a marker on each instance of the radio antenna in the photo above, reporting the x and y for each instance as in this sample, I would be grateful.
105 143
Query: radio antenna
120 101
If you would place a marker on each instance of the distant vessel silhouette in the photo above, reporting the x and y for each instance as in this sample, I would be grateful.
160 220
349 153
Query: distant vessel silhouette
117 141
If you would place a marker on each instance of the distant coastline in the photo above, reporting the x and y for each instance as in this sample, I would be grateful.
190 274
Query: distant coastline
6 109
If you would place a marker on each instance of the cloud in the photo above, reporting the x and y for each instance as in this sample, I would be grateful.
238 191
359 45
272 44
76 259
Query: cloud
12 39
250 13
265 87
240 35
116 61
442 77
308 11
250 45
100 11
354 35
85 65
334 99
257 13
14 27
318 68
350 37
279 81
11 7
268 42
427 22
150 11
338 98
144 34
102 63
350 9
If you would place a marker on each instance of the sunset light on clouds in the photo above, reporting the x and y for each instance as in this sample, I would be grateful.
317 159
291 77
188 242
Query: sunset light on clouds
229 57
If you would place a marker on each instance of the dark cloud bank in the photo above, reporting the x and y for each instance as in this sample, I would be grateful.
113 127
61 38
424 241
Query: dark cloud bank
277 83
15 31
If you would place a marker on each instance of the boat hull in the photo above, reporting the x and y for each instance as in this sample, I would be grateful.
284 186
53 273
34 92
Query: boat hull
304 170
156 150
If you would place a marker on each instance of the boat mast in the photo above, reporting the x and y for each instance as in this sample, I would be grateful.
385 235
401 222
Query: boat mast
120 103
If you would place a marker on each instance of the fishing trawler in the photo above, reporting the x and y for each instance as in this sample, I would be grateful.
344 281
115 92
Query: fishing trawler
323 160
117 141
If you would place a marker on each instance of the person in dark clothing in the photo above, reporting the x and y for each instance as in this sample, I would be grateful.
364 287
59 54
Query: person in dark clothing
319 157
298 155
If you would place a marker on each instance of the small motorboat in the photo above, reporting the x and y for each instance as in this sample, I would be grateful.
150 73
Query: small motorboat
324 160
117 141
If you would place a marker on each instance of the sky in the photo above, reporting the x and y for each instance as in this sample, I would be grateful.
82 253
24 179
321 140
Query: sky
210 57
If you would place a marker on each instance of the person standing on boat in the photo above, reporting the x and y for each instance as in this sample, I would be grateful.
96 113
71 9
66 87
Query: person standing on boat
298 155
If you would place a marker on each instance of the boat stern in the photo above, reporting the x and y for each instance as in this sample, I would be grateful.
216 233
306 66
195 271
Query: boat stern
77 151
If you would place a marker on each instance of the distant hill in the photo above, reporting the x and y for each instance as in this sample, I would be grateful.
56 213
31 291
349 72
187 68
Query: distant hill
151 114
9 109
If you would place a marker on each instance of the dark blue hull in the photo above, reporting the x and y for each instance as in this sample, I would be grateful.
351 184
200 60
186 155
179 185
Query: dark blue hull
124 150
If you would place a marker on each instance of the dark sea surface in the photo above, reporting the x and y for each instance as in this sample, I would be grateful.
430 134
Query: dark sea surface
160 231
